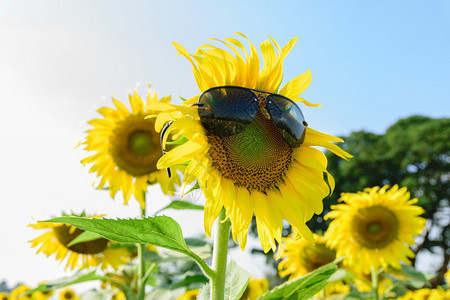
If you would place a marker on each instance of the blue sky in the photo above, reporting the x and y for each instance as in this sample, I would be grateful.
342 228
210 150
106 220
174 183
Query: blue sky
372 63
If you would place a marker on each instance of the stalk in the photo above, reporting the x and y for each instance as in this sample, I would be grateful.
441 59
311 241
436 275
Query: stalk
220 253
141 266
375 284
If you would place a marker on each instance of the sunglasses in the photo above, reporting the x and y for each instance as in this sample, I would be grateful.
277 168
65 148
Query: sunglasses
228 110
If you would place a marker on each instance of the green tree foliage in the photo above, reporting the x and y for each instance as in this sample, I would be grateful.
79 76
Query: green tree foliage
414 152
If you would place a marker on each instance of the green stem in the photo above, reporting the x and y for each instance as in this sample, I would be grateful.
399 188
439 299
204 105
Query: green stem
375 284
141 265
220 253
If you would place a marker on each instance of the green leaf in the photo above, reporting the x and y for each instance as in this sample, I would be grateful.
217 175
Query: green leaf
159 231
179 204
195 187
415 275
205 292
203 251
79 278
341 274
63 282
188 280
236 280
84 237
304 287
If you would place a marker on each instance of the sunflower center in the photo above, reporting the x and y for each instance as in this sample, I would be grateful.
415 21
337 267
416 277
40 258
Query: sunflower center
315 256
65 234
68 295
375 227
134 145
256 158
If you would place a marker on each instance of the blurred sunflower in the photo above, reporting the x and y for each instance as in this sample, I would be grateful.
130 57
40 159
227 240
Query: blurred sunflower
126 148
4 296
16 293
43 295
119 296
68 294
189 295
255 288
81 255
254 171
374 228
423 294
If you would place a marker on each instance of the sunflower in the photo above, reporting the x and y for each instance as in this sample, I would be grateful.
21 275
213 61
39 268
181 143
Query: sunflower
126 148
119 296
422 294
301 257
81 255
255 288
255 171
189 295
68 294
4 296
43 295
16 293
375 228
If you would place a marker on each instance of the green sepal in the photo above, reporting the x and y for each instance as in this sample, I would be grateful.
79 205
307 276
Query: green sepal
179 141
84 237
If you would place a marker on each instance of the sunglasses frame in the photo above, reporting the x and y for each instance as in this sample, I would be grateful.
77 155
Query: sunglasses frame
161 137
257 95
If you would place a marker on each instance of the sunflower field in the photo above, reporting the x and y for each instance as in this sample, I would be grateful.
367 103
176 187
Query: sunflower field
330 217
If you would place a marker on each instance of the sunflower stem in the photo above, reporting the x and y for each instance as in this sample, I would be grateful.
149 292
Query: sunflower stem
141 265
375 284
220 253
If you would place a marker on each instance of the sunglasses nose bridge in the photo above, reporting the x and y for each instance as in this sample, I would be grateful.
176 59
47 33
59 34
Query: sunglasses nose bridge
263 106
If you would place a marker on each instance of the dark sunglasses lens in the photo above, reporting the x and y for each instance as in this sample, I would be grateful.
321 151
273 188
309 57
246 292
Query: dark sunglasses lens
288 118
227 111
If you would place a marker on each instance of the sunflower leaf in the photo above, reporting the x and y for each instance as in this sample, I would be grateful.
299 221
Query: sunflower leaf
63 282
188 280
236 280
79 278
160 231
179 204
304 287
205 292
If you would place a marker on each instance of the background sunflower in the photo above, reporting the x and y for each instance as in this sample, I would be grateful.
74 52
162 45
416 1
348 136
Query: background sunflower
126 148
375 228
56 240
